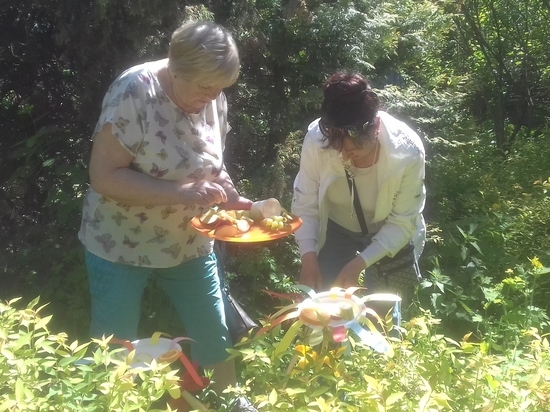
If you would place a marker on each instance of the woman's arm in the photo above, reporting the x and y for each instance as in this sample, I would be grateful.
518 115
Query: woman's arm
401 223
305 200
234 200
305 204
398 229
110 175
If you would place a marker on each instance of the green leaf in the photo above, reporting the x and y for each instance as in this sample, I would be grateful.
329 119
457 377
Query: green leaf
19 390
273 397
394 398
43 322
287 339
320 391
67 361
48 162
295 391
33 303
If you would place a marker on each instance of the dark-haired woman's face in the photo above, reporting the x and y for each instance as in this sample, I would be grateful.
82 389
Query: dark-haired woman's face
361 147
350 150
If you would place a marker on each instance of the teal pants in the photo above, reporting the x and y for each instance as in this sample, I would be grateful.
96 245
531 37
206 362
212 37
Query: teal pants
193 287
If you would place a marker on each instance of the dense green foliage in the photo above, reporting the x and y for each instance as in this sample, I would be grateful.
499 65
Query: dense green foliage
472 77
42 371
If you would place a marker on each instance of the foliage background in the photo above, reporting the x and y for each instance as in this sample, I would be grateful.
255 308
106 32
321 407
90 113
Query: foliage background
470 78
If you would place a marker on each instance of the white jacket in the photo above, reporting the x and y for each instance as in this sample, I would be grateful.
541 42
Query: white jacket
401 191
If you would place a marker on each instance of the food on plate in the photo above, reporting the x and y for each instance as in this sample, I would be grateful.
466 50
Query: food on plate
345 310
227 231
268 207
279 222
210 217
242 225
227 222
231 223
339 311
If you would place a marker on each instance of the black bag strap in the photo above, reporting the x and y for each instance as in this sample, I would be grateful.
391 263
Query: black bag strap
357 204
219 250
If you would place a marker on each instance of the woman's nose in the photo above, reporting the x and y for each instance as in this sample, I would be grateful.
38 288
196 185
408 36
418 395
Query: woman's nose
213 94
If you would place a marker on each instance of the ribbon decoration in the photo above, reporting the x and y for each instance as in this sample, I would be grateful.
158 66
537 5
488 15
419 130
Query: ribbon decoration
173 353
289 296
374 339
126 343
338 310
190 381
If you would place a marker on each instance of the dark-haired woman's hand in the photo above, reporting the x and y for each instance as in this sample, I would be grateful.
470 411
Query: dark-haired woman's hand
349 275
310 275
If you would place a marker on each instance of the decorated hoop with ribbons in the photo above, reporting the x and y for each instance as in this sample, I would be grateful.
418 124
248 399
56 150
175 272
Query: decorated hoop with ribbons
337 310
165 350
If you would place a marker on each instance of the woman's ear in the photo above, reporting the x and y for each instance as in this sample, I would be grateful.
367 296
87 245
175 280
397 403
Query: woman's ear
377 123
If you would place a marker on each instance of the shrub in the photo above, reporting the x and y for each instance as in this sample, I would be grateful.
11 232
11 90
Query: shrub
426 372
41 371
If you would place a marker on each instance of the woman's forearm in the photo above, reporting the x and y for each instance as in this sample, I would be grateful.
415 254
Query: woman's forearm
111 176
133 188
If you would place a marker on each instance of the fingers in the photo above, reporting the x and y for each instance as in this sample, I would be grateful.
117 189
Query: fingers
344 283
346 280
211 193
203 193
349 275
313 281
221 195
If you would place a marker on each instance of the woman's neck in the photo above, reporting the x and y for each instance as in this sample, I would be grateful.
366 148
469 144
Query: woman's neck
369 159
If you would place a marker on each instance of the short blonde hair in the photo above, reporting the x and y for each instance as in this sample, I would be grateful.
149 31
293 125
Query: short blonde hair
203 51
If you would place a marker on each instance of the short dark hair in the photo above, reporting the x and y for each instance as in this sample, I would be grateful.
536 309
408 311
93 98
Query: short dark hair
349 106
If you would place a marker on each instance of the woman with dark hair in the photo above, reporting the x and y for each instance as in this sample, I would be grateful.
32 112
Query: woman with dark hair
355 142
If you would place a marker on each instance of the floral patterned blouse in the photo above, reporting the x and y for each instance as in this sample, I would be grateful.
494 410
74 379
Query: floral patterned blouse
168 144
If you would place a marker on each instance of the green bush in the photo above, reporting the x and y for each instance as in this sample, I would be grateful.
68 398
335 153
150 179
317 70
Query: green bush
41 371
426 372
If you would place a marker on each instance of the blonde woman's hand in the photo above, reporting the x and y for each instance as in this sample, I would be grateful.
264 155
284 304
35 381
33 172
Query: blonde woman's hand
349 275
202 193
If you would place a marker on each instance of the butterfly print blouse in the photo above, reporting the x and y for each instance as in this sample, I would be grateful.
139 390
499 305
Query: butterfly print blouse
166 144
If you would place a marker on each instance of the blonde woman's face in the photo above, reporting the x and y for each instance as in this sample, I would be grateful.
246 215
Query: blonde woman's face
194 95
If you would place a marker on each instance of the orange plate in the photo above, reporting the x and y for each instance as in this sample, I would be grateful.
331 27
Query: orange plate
255 234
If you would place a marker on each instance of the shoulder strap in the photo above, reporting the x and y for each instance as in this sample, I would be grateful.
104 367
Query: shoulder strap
357 204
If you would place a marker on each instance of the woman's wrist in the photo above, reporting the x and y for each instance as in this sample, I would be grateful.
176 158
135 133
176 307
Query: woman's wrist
188 194
373 253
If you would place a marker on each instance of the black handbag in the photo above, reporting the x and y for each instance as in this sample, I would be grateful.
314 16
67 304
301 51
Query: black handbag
238 321
397 274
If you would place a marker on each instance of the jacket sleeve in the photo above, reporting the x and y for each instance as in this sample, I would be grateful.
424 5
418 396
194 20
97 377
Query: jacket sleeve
305 201
407 206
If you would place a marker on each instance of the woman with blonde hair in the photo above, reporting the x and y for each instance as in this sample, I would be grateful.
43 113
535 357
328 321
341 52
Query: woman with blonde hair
157 162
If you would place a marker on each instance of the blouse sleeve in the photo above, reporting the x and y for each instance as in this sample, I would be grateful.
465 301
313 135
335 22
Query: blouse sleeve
122 109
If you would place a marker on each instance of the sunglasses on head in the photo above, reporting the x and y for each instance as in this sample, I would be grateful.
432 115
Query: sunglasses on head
352 131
